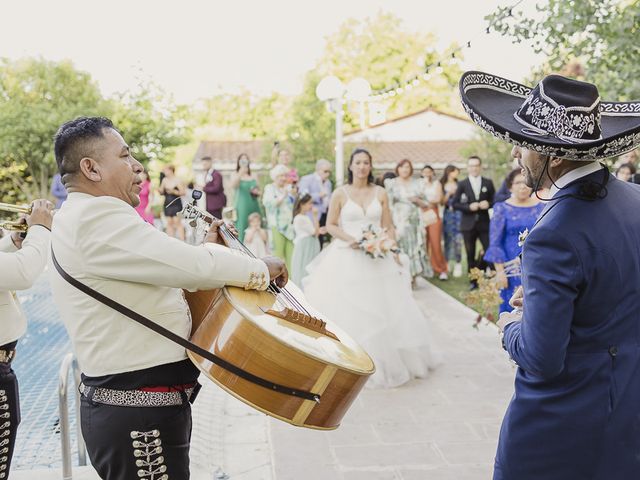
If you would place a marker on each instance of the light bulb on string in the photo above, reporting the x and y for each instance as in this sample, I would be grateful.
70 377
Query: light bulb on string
416 82
392 93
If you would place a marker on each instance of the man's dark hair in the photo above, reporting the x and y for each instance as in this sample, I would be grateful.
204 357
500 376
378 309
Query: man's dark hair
72 142
474 157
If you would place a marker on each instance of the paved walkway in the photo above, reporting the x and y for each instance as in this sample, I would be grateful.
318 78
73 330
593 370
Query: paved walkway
442 427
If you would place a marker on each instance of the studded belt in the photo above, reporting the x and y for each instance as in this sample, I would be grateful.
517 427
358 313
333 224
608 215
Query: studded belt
136 398
6 356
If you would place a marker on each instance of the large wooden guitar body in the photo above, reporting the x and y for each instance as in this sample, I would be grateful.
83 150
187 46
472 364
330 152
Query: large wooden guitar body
251 330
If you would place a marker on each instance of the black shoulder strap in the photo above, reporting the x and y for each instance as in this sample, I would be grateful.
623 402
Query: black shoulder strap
183 341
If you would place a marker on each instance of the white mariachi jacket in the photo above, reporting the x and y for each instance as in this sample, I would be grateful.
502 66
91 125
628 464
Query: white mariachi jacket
20 269
103 242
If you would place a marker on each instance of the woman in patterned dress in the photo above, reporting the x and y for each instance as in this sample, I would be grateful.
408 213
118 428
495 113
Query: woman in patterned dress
406 198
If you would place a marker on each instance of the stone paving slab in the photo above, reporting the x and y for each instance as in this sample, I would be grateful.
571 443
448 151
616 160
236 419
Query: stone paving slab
442 427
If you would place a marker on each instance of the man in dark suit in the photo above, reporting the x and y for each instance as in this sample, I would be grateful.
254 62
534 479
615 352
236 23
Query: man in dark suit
213 188
473 198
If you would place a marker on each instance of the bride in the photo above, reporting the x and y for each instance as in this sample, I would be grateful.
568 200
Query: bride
370 299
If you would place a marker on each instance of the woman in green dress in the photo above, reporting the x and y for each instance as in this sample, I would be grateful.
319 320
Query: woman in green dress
247 193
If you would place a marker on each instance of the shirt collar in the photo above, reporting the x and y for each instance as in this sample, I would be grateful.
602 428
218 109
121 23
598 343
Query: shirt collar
574 175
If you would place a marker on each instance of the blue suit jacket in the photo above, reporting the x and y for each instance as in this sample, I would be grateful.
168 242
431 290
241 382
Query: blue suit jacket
312 185
575 413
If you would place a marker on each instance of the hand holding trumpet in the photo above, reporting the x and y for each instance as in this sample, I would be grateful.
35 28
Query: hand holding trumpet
40 213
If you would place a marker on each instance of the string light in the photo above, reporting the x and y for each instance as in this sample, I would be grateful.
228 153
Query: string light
405 86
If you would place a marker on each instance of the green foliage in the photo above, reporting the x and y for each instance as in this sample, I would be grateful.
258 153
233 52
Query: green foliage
382 51
311 131
150 123
36 97
602 35
495 154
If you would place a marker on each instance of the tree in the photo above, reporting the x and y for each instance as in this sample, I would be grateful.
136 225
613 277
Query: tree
36 97
601 35
382 51
151 123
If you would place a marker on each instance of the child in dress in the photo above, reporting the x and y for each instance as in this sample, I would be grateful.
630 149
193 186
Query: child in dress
255 237
306 244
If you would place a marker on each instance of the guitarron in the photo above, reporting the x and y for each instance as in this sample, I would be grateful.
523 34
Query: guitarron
278 338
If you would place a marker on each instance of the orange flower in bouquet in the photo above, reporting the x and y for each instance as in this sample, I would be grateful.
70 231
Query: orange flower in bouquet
376 243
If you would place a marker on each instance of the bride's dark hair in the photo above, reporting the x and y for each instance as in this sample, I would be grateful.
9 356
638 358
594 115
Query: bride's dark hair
350 173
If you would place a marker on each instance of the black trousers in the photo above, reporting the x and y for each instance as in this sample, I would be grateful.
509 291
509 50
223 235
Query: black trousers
470 238
322 221
144 443
9 417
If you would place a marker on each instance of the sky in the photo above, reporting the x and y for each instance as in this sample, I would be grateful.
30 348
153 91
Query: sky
197 48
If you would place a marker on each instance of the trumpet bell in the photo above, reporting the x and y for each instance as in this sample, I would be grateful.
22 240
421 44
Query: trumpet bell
14 226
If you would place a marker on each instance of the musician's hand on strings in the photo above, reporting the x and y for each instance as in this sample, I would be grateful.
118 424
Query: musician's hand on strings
213 235
232 228
277 270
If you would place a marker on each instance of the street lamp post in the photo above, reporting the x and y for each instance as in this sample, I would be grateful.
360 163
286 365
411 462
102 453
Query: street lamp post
331 90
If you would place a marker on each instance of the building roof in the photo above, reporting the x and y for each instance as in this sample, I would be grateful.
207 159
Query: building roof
438 154
409 115
224 152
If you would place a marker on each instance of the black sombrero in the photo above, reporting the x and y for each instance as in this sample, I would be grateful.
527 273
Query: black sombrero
559 117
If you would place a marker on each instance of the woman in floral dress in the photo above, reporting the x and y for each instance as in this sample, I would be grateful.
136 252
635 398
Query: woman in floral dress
406 198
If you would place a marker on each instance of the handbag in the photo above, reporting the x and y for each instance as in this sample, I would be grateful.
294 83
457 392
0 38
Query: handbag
429 217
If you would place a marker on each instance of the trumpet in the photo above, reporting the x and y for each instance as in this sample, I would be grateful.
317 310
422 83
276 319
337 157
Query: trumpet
15 226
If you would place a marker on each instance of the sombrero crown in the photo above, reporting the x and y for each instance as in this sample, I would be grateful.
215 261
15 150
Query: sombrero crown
559 117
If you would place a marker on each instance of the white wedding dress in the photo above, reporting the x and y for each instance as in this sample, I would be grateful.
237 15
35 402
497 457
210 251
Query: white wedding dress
371 300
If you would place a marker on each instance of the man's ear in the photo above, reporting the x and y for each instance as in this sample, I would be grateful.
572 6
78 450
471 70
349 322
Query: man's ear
90 169
555 162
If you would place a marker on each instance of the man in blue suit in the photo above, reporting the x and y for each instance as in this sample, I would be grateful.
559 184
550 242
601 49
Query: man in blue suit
575 333
318 185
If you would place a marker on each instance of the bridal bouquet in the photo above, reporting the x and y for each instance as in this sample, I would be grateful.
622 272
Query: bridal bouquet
376 243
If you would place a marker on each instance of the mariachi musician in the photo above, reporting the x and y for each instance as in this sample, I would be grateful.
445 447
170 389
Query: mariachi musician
136 385
21 262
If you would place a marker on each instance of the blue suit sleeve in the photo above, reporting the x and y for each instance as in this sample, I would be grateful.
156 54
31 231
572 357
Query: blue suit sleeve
551 274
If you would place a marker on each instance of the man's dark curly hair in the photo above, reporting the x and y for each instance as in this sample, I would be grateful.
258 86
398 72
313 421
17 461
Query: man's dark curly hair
73 142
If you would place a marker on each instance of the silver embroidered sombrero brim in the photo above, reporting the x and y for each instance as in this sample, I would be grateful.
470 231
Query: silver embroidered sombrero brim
559 117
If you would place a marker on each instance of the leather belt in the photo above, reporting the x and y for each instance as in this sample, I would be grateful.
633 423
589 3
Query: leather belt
137 398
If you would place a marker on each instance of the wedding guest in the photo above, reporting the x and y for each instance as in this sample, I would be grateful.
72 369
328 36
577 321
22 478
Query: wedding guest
306 245
451 219
213 188
624 172
256 238
146 198
247 193
511 219
281 156
278 205
474 198
406 198
318 185
503 192
431 217
172 188
58 190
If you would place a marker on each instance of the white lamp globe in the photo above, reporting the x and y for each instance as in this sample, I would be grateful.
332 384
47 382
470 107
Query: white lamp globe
358 89
329 88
